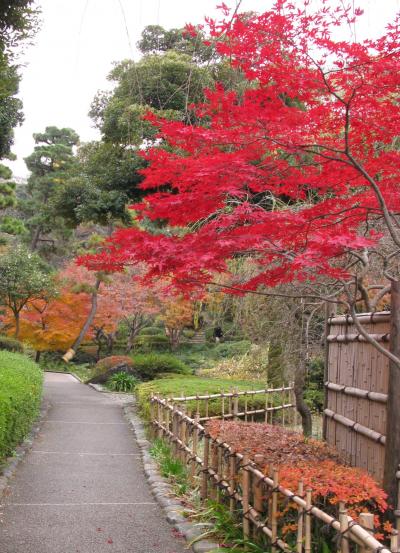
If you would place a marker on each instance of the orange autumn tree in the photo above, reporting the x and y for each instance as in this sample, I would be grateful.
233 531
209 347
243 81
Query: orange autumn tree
177 313
51 324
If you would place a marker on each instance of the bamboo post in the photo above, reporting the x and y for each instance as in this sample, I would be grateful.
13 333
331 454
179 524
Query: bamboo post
222 404
183 440
394 542
300 520
160 420
152 426
245 406
367 522
167 421
174 430
258 491
245 495
274 511
206 405
232 482
204 477
307 544
235 404
197 405
214 466
397 512
230 401
266 405
220 470
195 442
344 526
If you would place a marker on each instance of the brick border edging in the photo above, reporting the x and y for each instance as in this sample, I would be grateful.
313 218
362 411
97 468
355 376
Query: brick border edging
11 463
163 493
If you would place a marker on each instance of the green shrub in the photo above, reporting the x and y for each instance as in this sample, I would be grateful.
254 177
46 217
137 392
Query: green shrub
188 333
151 331
148 343
10 344
122 382
20 394
147 366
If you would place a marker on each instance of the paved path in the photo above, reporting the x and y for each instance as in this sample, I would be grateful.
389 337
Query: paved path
81 488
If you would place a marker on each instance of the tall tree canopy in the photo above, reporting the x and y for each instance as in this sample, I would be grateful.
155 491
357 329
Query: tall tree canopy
301 171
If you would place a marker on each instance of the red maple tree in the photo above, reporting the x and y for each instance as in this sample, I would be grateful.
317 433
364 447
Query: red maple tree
300 171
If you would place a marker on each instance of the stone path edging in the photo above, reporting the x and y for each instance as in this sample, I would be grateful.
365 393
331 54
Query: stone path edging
163 493
11 463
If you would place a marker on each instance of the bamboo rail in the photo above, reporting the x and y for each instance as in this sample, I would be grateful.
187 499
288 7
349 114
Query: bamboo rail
356 427
356 392
230 476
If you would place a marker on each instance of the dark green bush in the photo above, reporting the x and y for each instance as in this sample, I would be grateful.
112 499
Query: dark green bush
230 349
148 343
147 366
151 331
20 394
10 344
122 382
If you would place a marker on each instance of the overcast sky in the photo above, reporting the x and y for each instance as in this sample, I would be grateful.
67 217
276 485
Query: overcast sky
79 40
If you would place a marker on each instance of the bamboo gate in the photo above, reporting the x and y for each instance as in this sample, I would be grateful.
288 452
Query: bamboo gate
230 477
356 386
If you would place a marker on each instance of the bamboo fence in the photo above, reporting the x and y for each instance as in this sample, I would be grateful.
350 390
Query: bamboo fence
233 478
356 391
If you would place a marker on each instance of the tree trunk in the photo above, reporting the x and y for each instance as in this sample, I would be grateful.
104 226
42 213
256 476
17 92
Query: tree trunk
37 356
301 405
35 238
73 349
392 447
16 317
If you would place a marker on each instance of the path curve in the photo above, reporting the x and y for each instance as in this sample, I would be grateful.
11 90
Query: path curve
81 489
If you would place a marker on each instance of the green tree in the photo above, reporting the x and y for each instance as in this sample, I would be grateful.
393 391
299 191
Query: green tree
23 278
18 22
51 164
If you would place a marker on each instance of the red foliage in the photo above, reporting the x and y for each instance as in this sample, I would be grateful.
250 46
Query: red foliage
315 129
318 465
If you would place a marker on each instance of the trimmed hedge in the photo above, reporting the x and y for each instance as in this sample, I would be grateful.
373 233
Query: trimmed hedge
148 343
148 366
10 344
151 331
21 381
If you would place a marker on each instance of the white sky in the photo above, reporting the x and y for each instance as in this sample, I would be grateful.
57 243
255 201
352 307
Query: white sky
79 40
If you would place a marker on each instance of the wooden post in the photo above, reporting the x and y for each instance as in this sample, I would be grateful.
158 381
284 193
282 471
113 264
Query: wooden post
235 405
392 446
344 526
214 466
160 420
232 481
222 405
152 426
266 406
245 406
300 520
394 542
204 477
307 544
195 442
274 511
367 522
167 419
283 403
230 401
258 491
206 405
330 311
183 440
197 405
245 495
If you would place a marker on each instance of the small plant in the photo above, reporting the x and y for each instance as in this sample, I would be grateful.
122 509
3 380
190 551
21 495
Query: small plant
149 365
170 467
122 382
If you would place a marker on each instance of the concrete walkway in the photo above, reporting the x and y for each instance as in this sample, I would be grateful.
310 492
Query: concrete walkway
81 489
